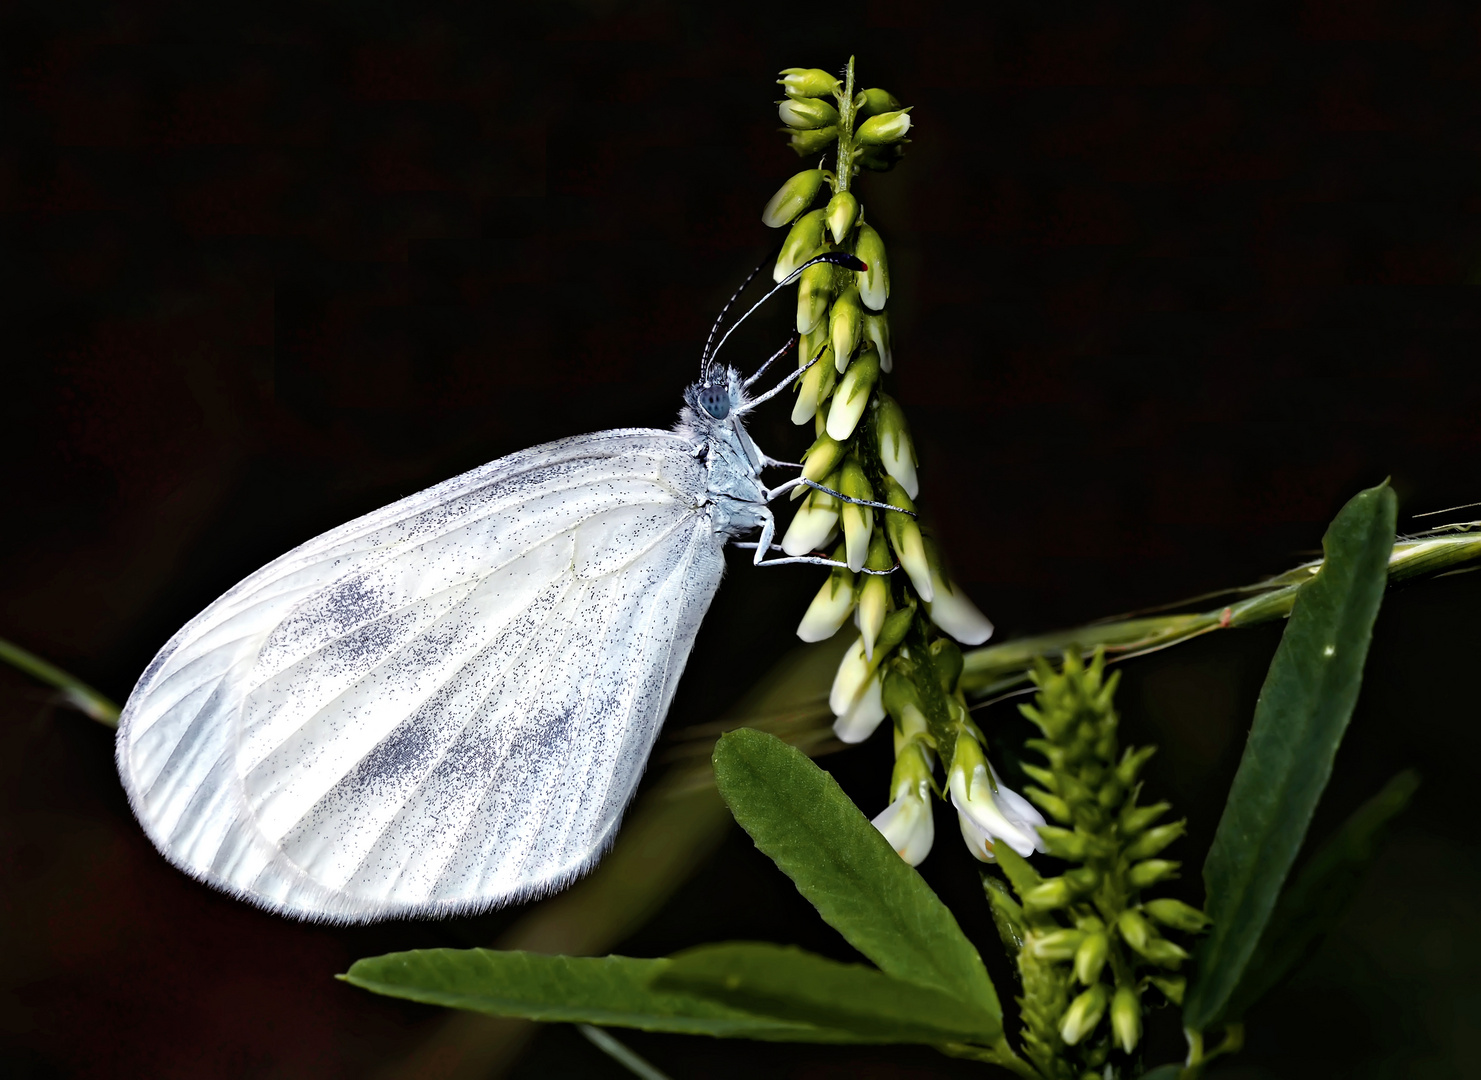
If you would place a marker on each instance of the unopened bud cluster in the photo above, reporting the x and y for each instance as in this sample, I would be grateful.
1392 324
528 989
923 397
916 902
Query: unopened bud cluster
1089 942
900 665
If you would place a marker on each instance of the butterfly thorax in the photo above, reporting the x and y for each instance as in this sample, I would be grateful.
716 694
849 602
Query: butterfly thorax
711 419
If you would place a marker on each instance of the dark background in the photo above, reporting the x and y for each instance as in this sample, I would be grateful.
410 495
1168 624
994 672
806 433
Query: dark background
1171 282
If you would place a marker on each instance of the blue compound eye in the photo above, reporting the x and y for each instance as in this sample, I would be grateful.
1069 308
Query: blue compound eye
715 400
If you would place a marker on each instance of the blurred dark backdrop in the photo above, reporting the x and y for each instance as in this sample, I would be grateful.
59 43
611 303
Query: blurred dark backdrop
1171 282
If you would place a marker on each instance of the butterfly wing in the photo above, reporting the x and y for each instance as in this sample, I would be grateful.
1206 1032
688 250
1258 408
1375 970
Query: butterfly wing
441 706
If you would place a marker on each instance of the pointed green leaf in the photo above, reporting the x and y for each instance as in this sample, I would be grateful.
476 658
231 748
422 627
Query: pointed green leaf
1304 707
613 991
801 819
787 982
1319 895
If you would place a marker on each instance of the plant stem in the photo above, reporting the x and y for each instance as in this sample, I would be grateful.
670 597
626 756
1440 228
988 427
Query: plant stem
75 692
846 112
998 669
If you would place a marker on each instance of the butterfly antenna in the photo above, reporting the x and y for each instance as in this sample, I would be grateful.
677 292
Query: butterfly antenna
837 258
704 360
791 340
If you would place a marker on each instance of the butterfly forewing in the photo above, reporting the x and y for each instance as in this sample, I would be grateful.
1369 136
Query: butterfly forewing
442 705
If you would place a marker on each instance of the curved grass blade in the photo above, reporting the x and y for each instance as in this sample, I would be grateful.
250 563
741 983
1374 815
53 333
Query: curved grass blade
1302 713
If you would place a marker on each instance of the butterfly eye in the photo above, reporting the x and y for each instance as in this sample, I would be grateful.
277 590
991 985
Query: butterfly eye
715 401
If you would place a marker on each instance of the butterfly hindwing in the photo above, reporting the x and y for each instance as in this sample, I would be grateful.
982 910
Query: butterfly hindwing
442 705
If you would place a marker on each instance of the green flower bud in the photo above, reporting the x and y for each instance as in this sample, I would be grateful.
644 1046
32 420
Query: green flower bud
1135 819
811 143
1131 764
810 114
1045 778
843 208
896 450
1063 843
1164 953
814 387
874 282
878 130
912 729
858 521
874 101
814 524
900 696
1176 914
853 395
877 330
847 325
905 538
1135 930
1084 1013
803 242
1154 840
1126 1018
806 82
1172 986
793 197
874 595
949 663
1052 805
1052 893
1090 957
1083 879
831 607
1055 945
896 624
822 457
1145 874
814 291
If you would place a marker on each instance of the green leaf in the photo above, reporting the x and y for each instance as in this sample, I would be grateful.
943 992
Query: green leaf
613 991
801 819
1304 707
1314 902
787 982
1164 1072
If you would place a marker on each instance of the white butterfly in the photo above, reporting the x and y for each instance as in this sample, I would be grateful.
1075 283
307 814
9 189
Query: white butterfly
446 704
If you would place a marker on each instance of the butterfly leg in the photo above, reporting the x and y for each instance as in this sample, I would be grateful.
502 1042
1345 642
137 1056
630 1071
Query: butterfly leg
770 494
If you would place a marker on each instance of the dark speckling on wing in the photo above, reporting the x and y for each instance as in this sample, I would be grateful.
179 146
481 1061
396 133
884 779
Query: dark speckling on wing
446 704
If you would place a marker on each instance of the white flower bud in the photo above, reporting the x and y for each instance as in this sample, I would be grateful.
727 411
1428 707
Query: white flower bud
951 609
792 198
810 114
847 326
874 281
853 395
906 539
831 607
907 823
808 83
813 524
842 211
986 810
814 291
877 130
896 451
863 716
877 330
804 240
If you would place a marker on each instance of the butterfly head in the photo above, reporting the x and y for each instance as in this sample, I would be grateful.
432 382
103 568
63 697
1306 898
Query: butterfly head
717 398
